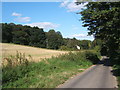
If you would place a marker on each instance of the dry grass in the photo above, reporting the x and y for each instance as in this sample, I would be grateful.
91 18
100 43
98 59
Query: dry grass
36 53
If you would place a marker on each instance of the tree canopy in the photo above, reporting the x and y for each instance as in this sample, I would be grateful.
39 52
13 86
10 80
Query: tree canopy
102 20
54 39
25 35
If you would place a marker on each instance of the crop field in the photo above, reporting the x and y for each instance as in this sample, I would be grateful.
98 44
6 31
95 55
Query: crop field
36 53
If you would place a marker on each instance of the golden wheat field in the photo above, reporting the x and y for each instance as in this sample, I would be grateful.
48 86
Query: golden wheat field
36 53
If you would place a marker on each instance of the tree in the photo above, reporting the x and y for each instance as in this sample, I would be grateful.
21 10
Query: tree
20 34
85 44
6 33
20 37
37 37
54 39
102 20
96 42
71 43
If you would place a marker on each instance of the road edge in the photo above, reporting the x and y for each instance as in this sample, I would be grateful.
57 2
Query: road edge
73 76
116 83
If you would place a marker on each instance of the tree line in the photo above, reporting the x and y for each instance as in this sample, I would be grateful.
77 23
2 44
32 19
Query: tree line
34 36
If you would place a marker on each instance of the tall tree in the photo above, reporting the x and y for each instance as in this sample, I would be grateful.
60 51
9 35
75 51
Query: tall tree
20 35
96 42
71 43
37 37
54 39
6 33
102 20
85 44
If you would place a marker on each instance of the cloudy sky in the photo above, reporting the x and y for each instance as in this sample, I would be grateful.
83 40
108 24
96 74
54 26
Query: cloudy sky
60 16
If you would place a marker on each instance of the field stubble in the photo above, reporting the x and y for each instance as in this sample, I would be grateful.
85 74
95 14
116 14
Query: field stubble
37 53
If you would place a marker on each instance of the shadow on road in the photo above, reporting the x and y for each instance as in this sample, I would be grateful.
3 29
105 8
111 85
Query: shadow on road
115 72
106 62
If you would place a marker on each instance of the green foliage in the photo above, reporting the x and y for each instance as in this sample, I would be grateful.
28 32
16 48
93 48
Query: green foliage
92 57
97 48
34 36
19 37
85 44
87 55
14 68
96 42
6 33
54 39
25 35
48 73
116 72
66 48
70 44
102 20
37 37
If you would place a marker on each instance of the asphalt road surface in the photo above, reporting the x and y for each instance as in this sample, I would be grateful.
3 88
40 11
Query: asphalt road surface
98 76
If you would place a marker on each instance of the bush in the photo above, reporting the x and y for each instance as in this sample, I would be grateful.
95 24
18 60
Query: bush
18 59
92 57
80 56
66 48
15 67
14 73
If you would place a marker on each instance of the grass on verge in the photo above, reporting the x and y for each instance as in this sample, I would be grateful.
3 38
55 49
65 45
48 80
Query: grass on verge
48 73
115 60
116 72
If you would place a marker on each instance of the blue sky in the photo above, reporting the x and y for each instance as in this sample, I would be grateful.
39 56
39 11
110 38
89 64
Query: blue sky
60 16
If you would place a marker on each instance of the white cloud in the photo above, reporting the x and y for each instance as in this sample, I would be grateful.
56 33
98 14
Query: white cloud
64 3
22 19
71 6
82 36
16 14
45 25
75 27
19 18
79 35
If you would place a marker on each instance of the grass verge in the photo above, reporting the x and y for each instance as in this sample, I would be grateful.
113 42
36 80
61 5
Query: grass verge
115 60
116 72
48 73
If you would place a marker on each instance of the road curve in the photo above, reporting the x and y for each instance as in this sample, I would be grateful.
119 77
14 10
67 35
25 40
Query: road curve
98 76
